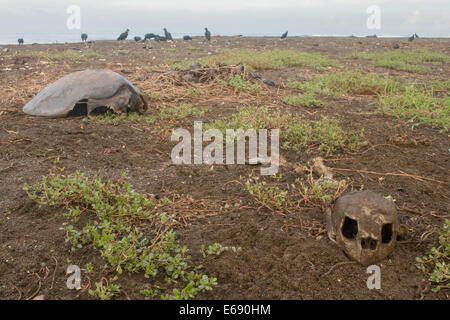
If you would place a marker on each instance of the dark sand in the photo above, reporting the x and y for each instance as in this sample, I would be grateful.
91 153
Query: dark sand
276 262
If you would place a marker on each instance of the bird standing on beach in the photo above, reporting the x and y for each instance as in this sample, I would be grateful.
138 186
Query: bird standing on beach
410 39
187 38
137 38
124 35
84 37
284 35
149 36
207 34
167 34
20 41
159 38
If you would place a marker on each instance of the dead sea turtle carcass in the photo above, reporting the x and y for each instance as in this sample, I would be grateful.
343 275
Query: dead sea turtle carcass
84 92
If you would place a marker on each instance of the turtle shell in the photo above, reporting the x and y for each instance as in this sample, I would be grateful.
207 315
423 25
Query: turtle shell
59 98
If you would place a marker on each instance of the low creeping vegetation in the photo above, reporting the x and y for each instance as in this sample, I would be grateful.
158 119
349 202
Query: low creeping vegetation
296 133
217 249
347 83
439 86
405 60
308 99
249 118
254 60
325 134
308 191
174 64
321 192
427 103
238 84
421 105
269 195
130 230
436 264
273 59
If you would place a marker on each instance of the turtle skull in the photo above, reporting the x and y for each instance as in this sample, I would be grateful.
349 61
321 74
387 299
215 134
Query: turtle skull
364 225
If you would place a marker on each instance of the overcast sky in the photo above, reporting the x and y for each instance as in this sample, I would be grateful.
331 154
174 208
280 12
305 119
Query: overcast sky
226 17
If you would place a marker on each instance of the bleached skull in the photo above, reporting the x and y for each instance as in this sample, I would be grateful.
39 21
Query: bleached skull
364 225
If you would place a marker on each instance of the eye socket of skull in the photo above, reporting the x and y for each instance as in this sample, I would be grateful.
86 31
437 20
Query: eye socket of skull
349 228
386 233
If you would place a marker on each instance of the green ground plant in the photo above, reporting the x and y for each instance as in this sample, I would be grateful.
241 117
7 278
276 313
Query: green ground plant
321 192
420 105
314 87
105 289
428 103
308 99
347 83
255 60
438 87
238 84
272 59
216 249
318 193
325 134
405 60
249 118
268 195
128 229
436 264
173 64
297 134
179 112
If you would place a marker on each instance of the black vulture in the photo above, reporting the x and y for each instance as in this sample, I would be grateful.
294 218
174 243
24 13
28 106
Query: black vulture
207 34
20 41
159 38
284 35
187 38
124 35
167 34
149 36
416 35
411 38
137 38
84 37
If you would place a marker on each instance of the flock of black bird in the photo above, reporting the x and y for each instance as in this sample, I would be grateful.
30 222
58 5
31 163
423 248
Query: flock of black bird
149 36
168 37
